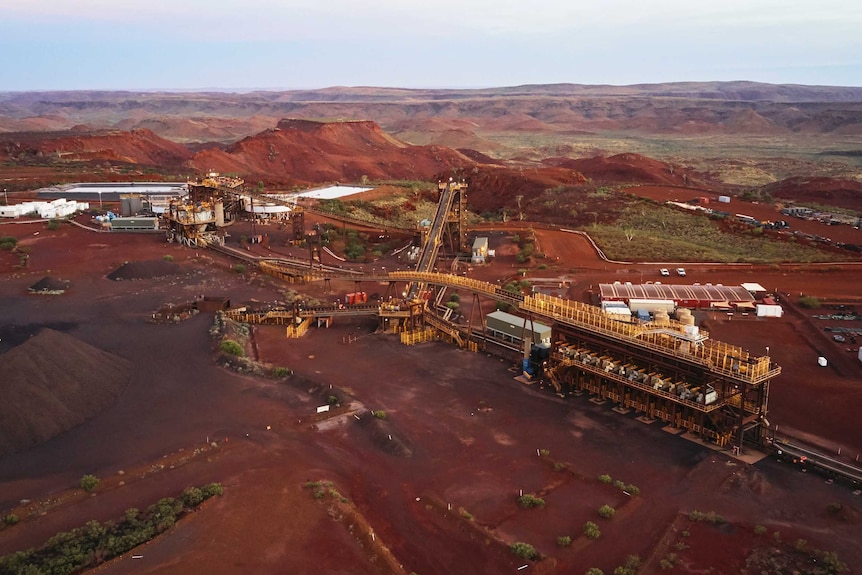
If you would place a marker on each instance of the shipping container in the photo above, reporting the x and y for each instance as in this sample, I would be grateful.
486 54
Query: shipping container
765 310
356 298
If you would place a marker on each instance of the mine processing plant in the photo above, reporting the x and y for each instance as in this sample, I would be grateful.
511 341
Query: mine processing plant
665 370
200 219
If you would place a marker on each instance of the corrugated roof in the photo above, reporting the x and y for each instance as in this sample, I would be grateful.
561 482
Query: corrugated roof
676 292
518 321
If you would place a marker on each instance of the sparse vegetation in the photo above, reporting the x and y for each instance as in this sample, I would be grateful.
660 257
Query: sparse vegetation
564 541
594 571
10 519
168 258
668 234
669 561
529 501
759 530
379 414
606 511
280 372
591 530
710 517
239 268
606 479
54 225
631 566
94 543
809 302
89 482
524 550
231 347
8 243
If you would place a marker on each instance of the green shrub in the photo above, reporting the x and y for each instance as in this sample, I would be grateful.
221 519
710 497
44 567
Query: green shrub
710 517
332 399
524 550
8 243
192 497
834 507
809 302
280 372
632 489
379 414
631 566
54 225
454 297
168 258
528 501
564 541
231 347
239 268
594 571
759 530
591 530
606 511
544 452
606 479
211 490
11 519
89 482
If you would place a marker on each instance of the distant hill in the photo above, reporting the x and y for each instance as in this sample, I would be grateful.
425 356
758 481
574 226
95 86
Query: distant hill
52 383
671 108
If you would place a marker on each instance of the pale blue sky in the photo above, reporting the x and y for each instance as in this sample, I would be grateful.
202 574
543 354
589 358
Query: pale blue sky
194 44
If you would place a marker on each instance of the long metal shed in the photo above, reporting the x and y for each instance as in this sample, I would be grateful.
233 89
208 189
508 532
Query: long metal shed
511 328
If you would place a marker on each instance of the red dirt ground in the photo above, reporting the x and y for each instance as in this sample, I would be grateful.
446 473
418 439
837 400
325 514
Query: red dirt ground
471 430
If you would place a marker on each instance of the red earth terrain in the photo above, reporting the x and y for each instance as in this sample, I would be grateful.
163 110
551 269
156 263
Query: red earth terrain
459 431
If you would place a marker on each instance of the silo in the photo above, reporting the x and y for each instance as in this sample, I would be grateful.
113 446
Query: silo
682 313
661 318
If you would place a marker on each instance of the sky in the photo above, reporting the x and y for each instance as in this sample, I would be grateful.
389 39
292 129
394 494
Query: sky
304 44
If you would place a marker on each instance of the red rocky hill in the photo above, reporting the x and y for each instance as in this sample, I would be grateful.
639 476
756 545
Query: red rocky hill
827 191
302 151
625 168
142 147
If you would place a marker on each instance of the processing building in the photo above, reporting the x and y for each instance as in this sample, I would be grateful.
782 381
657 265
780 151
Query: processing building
689 296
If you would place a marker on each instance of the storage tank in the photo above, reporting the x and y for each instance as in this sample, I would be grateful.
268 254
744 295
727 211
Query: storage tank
661 318
131 205
687 320
682 313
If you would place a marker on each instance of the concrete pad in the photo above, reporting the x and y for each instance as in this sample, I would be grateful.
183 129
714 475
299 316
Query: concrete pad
647 420
598 401
622 410
672 430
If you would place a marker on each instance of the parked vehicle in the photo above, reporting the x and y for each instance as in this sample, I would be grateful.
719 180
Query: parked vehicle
664 272
680 272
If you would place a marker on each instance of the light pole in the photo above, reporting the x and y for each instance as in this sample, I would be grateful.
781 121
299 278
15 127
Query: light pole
5 197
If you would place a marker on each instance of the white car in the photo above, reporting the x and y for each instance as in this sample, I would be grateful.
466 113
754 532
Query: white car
680 272
664 272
